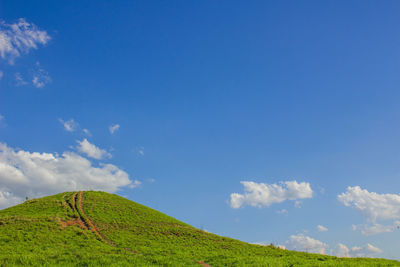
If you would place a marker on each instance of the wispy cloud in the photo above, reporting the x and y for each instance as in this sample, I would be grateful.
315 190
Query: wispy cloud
260 194
321 228
87 132
282 211
376 228
113 128
135 184
69 125
367 250
297 204
301 242
140 151
19 80
20 37
40 77
91 150
2 121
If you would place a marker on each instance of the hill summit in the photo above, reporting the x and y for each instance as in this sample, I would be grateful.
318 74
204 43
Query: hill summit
90 228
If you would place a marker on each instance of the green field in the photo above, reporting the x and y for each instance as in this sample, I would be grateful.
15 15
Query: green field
100 229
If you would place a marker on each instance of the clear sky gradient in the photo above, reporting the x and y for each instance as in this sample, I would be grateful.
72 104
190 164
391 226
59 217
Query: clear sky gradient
211 93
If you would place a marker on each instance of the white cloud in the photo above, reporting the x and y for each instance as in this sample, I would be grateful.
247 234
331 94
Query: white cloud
40 77
321 228
342 251
34 174
113 128
1 117
20 37
19 80
69 125
87 132
1 74
141 151
376 228
8 199
374 207
91 150
301 242
282 211
260 194
367 250
297 204
134 184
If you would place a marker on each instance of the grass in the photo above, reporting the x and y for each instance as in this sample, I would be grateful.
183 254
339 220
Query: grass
129 234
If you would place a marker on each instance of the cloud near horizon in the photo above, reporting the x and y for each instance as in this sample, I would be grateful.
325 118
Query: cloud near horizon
374 207
301 242
261 194
367 250
34 174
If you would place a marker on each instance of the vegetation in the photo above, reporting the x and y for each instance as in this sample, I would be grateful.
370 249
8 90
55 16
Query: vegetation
100 229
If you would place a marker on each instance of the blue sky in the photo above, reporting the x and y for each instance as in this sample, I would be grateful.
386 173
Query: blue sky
174 103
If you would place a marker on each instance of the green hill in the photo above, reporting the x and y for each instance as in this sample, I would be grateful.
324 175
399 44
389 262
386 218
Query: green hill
100 229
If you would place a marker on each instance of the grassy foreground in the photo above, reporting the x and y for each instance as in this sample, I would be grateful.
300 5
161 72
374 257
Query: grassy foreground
100 229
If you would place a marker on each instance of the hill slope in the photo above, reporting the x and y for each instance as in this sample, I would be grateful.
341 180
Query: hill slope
96 228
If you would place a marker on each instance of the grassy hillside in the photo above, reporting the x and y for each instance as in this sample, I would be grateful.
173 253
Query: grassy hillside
96 228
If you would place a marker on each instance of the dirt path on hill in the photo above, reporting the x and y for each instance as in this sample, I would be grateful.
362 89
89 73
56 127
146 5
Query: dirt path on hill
89 224
70 203
204 264
75 203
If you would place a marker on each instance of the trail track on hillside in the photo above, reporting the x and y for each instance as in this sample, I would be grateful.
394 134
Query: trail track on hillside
204 264
90 225
75 205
